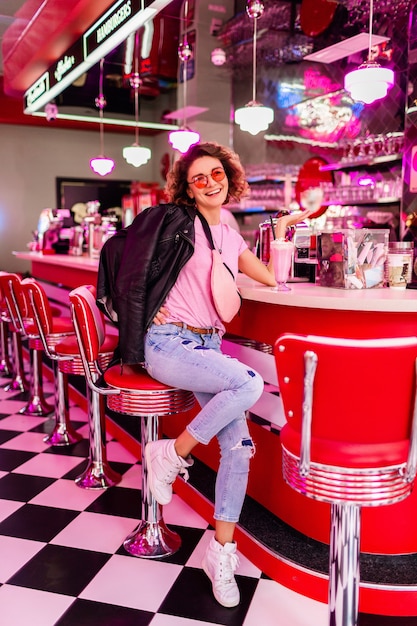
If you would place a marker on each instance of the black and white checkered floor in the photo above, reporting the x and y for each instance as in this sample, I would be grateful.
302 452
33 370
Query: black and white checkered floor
62 558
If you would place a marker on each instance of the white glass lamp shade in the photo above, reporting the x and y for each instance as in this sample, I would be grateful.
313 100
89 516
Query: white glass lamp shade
102 165
136 155
369 82
218 57
254 117
183 139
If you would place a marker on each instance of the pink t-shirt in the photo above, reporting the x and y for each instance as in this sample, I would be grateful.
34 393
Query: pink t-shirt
190 299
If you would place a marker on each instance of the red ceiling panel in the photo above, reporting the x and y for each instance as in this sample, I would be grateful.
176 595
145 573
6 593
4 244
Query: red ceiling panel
41 33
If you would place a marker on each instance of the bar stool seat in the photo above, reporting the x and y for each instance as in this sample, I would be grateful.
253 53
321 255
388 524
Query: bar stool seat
350 439
131 391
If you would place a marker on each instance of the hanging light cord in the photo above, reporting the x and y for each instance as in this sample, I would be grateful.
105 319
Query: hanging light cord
184 85
136 87
185 64
101 104
371 19
255 20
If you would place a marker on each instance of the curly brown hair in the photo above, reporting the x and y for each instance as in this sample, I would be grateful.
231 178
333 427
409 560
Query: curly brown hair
176 186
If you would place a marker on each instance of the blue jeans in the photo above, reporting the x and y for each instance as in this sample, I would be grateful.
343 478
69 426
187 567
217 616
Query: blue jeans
224 388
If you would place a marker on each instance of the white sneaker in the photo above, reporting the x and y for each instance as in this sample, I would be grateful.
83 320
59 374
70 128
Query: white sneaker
220 563
164 465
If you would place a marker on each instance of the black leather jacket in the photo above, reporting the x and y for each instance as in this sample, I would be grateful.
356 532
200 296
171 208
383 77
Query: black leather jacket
138 267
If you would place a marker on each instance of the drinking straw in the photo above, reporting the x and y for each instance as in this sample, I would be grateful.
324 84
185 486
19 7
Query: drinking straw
273 227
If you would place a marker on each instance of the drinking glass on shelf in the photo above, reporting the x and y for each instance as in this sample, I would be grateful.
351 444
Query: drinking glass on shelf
282 256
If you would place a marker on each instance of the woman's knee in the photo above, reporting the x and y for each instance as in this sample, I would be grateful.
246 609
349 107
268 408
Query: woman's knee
253 385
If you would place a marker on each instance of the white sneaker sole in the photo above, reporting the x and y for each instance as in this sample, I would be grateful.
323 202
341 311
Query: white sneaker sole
150 477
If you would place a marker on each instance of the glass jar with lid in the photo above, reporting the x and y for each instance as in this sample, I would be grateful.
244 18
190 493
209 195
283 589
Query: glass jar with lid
406 249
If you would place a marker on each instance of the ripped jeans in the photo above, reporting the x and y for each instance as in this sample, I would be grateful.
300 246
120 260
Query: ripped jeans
224 388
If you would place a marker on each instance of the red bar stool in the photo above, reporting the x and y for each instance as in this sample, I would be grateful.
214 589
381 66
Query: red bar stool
24 325
51 331
98 474
131 391
19 381
350 439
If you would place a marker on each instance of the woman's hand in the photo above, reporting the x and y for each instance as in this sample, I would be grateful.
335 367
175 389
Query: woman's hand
290 220
160 317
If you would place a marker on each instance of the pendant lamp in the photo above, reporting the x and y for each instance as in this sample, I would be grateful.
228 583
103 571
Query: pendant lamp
101 164
254 116
184 138
370 82
136 154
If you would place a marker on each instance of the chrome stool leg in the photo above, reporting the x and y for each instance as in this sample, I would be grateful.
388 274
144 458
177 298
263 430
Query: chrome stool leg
19 381
63 433
344 565
98 473
5 363
151 538
37 404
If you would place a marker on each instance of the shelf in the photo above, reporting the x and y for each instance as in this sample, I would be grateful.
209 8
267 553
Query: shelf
364 202
269 179
254 209
389 158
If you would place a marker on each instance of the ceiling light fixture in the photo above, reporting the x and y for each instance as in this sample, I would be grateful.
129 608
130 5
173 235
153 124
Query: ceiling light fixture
184 138
135 154
370 82
101 165
254 116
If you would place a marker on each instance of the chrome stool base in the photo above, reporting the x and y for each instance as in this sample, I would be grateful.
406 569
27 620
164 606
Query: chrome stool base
63 433
37 405
62 436
98 476
151 540
5 368
19 381
17 384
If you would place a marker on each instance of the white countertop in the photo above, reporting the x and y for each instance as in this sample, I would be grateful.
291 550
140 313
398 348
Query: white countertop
67 260
309 295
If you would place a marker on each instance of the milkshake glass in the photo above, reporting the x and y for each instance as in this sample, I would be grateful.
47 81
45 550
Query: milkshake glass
282 255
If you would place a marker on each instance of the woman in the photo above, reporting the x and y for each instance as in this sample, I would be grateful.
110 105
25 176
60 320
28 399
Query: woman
183 349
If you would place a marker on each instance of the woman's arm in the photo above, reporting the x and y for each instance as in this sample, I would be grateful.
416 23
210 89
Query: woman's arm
290 220
250 265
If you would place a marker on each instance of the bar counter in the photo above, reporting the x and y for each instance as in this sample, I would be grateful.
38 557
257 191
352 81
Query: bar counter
63 269
311 309
387 531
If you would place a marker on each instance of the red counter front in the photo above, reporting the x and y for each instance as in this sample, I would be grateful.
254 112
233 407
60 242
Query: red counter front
310 309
